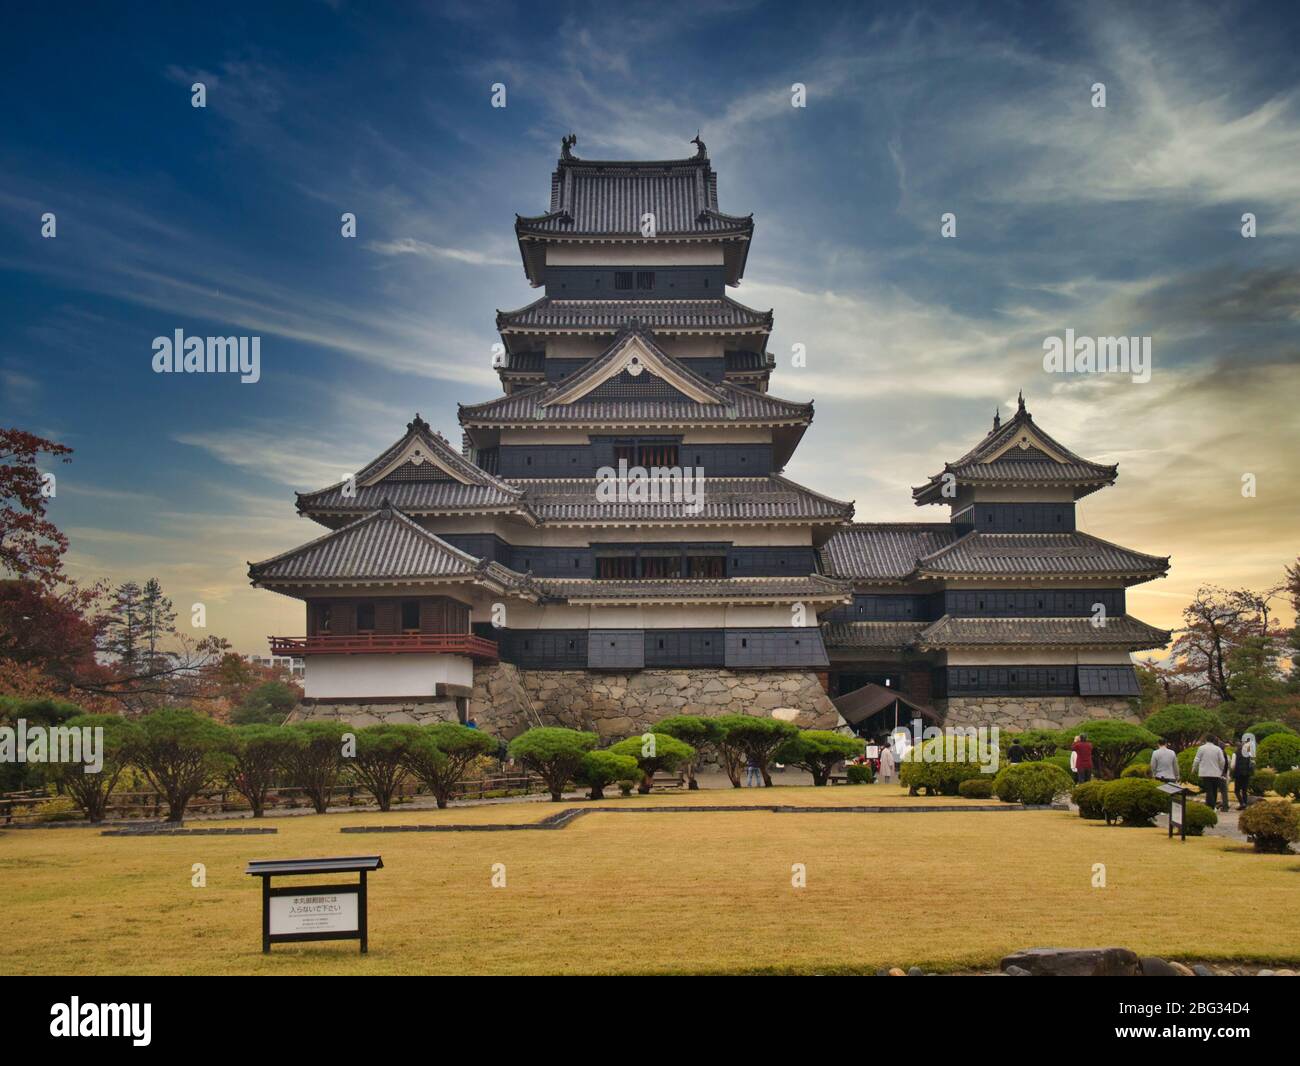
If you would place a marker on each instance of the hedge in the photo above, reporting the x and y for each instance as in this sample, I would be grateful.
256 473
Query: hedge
1287 784
1033 783
1281 751
1087 797
1199 818
1261 781
1133 801
976 788
1271 826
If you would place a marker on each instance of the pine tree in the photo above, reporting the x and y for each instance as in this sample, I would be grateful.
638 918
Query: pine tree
158 621
126 626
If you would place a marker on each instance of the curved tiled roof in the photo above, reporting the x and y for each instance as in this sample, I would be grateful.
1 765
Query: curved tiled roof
871 634
1036 554
883 550
723 315
771 498
1122 632
724 590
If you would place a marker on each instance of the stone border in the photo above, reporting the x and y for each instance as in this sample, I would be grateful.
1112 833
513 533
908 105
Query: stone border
177 832
560 819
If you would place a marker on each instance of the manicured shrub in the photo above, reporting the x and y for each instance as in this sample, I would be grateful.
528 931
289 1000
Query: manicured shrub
1114 743
91 792
1281 751
1261 781
818 751
259 757
699 731
553 753
441 756
1136 770
859 773
315 759
1133 801
929 766
1033 783
1088 798
180 753
626 786
654 752
1271 826
1039 744
1200 818
1059 759
1183 724
1142 758
1263 730
976 787
379 762
601 768
1288 784
748 738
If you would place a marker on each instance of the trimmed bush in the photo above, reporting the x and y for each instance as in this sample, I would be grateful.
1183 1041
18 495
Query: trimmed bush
1136 770
91 792
315 760
1039 744
1133 801
924 767
976 788
1114 743
1263 730
1271 826
1088 798
441 756
1033 783
859 773
553 753
259 755
1200 818
1060 759
625 787
653 753
1184 725
1261 781
818 751
1281 751
380 759
1142 758
1287 784
601 768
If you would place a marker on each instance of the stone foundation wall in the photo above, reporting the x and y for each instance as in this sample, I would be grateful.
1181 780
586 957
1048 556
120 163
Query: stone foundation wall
505 700
1034 712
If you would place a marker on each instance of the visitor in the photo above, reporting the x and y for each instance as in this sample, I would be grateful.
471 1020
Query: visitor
1164 764
886 763
1243 767
472 724
1211 766
753 775
1083 759
1016 753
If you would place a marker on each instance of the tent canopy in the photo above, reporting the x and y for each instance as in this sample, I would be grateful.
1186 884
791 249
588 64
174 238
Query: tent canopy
862 703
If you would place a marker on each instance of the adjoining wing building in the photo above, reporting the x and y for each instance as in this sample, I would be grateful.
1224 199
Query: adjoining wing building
614 540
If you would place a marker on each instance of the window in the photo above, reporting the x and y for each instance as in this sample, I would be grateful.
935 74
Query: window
705 567
645 453
365 617
618 568
658 567
410 616
645 280
623 279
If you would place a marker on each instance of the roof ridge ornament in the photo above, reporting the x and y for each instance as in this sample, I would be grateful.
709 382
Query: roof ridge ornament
997 417
566 146
700 151
417 425
1020 402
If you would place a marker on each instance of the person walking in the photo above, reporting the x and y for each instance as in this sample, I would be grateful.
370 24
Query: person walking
1243 768
753 777
1211 765
1083 759
1164 764
886 763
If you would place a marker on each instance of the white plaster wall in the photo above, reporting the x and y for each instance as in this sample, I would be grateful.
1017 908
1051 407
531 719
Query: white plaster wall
349 676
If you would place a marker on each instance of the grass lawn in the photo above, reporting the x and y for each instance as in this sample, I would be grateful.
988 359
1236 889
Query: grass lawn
672 893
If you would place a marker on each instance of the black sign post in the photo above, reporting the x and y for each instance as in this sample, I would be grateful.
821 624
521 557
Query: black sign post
314 912
1177 808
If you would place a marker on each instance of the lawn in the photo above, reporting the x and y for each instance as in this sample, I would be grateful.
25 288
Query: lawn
691 892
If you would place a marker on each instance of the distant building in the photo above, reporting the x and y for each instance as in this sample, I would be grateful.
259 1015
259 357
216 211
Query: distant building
516 581
296 665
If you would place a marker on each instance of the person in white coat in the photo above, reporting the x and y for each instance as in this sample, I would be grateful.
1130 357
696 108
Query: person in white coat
886 762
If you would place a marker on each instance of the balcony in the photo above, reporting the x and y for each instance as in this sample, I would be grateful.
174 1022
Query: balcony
387 644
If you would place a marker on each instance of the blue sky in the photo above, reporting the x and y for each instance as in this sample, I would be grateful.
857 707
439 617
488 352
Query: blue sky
1123 220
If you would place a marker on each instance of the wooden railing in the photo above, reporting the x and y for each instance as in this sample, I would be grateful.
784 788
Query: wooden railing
386 643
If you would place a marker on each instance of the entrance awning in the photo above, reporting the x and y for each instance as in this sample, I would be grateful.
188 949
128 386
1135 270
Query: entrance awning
862 703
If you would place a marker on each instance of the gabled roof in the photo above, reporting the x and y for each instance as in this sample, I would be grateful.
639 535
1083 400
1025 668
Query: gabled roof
421 471
549 315
725 501
1018 453
384 545
634 352
1122 632
884 551
1017 555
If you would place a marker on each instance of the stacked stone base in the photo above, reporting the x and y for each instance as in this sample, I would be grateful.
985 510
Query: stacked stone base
1034 712
506 700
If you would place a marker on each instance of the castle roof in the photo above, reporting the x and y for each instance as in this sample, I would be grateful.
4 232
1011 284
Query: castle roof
550 315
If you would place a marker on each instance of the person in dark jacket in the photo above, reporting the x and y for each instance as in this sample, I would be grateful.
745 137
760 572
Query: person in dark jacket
1243 767
1082 749
1015 753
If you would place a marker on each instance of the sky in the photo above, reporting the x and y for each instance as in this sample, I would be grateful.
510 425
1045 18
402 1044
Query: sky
1123 220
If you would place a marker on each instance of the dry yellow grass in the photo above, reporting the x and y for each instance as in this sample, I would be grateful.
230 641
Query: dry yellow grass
678 892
